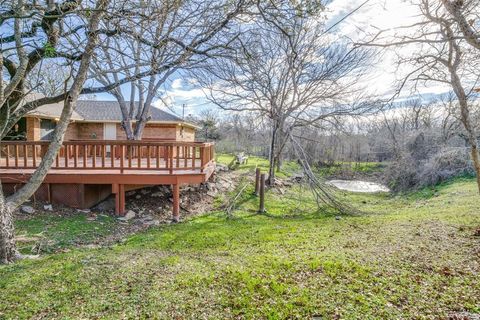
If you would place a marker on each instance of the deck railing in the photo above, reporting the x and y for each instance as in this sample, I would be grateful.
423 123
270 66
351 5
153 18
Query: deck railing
110 154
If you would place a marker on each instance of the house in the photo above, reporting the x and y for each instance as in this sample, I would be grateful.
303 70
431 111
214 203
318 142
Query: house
96 160
99 120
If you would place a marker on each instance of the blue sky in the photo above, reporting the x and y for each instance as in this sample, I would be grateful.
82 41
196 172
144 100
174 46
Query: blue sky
376 14
178 90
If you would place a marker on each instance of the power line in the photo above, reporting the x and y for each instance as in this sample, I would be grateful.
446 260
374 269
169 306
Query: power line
345 17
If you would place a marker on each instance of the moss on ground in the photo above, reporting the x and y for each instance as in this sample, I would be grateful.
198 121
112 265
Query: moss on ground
406 257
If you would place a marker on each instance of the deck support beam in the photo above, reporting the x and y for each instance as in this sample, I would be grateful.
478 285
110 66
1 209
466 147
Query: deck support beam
119 191
176 202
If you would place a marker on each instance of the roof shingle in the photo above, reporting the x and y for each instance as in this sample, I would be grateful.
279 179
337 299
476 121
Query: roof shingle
100 111
94 110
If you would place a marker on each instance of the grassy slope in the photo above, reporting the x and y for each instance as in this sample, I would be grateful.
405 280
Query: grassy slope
409 257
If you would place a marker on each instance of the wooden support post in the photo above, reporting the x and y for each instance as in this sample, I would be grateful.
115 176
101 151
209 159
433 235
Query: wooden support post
49 193
257 181
261 208
119 191
176 202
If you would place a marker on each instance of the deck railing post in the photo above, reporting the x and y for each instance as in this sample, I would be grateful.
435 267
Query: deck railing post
170 158
202 158
93 155
122 157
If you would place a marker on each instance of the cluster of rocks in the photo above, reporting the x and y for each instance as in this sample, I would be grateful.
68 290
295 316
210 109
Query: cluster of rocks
28 209
153 205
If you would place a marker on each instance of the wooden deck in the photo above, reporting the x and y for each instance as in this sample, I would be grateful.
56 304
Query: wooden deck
120 164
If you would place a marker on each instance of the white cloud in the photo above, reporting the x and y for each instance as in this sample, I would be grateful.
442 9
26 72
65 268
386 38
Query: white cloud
177 83
374 16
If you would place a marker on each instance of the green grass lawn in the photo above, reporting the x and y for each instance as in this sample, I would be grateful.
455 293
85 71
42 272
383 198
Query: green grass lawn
288 167
49 233
408 257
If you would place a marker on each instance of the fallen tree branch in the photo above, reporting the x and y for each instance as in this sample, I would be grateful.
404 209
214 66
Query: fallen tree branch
323 193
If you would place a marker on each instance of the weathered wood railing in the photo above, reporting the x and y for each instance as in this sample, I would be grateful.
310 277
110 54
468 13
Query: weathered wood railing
110 154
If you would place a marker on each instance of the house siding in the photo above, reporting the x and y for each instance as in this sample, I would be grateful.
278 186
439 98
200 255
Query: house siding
90 131
72 132
33 130
185 134
152 131
94 131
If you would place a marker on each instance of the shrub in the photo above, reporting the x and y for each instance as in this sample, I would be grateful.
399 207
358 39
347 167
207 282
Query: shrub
408 172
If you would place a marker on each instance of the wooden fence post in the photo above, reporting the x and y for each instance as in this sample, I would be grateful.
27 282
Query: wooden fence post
262 194
257 181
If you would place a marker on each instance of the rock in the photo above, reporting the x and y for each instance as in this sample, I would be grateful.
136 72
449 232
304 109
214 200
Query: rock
225 185
157 194
106 205
48 207
287 183
130 193
92 246
27 209
338 218
147 217
297 177
211 186
163 189
211 194
83 210
30 256
92 217
128 216
138 196
154 222
221 167
145 191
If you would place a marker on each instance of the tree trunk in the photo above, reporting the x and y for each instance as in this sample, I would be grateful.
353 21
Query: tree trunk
128 128
140 126
465 117
471 138
278 162
8 251
271 158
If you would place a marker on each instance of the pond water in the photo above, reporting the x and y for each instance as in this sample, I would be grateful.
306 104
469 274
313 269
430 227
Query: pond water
359 186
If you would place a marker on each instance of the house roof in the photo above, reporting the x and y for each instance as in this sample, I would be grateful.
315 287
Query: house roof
53 111
94 110
103 111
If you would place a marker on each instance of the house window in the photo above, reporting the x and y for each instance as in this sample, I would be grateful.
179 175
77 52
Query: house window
46 129
18 132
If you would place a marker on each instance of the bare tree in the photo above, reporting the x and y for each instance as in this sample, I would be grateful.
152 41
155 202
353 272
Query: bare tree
19 62
287 70
48 78
67 33
208 121
466 14
177 35
442 57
